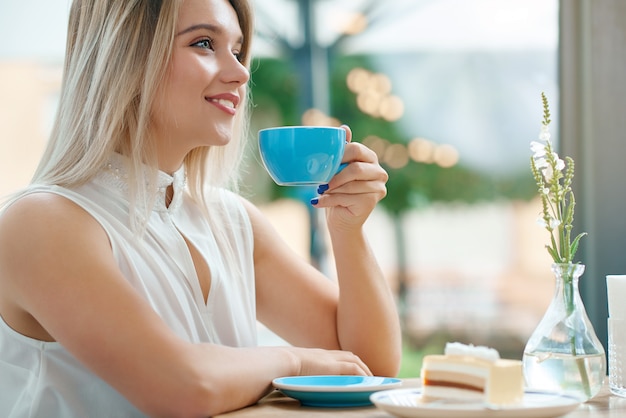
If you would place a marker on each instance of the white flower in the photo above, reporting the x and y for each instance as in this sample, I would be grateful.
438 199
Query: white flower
544 135
548 173
553 179
546 167
538 149
560 164
554 223
541 163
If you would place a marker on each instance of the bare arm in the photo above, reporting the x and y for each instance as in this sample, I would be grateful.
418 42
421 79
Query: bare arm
59 281
367 315
306 308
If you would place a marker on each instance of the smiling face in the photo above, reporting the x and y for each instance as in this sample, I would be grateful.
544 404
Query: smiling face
205 82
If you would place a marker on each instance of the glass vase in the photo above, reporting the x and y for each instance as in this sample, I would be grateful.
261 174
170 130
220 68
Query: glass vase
564 354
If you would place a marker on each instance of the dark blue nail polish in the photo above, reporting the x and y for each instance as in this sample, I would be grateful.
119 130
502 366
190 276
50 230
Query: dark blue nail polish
314 201
322 188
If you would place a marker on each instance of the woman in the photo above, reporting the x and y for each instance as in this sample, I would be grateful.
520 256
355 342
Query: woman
131 280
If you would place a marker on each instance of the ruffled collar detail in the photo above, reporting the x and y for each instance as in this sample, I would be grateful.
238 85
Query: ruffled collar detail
116 175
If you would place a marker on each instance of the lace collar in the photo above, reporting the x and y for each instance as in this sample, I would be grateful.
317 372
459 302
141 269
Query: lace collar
116 174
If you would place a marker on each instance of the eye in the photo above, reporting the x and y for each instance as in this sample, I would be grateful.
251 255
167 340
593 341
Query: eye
206 43
240 57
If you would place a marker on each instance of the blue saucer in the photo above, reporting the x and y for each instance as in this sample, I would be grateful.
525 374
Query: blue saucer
334 391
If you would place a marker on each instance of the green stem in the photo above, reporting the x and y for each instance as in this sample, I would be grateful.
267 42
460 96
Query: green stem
568 283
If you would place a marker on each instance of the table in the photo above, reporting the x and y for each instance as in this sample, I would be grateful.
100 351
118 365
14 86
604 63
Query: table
276 405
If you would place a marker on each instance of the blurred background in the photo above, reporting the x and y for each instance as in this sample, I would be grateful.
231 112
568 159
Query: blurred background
446 92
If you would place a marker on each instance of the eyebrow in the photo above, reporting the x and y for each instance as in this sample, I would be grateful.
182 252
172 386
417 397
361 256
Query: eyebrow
211 28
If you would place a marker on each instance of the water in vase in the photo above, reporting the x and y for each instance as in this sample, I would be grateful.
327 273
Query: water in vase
578 376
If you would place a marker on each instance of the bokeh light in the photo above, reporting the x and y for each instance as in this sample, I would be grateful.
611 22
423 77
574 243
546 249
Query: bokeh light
358 80
446 156
396 156
422 150
391 108
374 96
315 117
376 144
354 23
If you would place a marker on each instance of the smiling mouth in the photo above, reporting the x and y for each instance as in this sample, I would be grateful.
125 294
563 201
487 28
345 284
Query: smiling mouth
223 102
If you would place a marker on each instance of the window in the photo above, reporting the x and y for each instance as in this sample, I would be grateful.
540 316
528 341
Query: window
464 79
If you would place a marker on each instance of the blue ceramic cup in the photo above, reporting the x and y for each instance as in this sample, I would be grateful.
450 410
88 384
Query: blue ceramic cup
302 155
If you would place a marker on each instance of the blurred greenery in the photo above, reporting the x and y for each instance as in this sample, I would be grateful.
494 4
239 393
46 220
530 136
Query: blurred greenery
413 355
411 361
275 86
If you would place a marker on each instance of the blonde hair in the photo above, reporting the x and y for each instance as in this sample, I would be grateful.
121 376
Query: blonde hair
117 51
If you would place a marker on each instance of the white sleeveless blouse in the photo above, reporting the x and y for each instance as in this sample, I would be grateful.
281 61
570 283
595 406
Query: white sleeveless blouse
42 379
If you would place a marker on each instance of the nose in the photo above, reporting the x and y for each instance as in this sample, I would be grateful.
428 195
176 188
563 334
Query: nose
235 72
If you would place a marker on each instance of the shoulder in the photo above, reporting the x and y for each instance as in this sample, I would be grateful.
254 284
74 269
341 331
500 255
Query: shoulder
41 219
34 208
254 214
240 210
266 237
41 206
45 238
251 209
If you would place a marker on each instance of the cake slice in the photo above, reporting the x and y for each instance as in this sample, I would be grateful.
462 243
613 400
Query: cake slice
471 373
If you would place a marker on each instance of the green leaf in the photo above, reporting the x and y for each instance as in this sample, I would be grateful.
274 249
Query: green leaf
574 246
554 254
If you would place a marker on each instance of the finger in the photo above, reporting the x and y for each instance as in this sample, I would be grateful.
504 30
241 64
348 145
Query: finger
354 365
348 132
362 367
353 156
354 369
356 151
357 188
358 206
359 172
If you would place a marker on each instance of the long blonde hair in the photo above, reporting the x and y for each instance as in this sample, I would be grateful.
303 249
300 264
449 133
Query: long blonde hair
117 52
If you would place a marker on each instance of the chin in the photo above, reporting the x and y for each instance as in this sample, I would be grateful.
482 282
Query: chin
221 137
219 142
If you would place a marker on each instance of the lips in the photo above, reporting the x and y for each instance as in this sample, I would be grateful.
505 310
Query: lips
227 102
